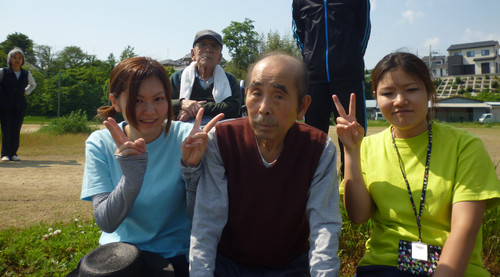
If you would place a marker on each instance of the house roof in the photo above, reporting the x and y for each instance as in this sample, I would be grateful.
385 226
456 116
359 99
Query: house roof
473 45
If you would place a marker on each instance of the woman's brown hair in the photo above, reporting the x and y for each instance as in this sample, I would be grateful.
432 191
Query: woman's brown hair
128 76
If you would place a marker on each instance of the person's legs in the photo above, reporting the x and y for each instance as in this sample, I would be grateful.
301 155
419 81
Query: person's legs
225 266
16 130
6 121
318 114
381 271
298 267
343 90
181 265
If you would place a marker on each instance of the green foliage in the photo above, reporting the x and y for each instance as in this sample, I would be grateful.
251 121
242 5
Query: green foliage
458 80
487 96
45 57
275 42
75 123
127 53
437 82
71 57
170 70
22 41
243 44
46 250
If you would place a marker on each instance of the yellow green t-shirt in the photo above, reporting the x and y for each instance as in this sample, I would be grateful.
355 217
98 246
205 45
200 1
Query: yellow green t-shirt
460 170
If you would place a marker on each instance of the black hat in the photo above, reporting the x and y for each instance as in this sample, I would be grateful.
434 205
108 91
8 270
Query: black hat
207 34
117 259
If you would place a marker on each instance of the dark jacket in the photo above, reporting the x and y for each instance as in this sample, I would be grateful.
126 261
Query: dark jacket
12 90
332 35
230 106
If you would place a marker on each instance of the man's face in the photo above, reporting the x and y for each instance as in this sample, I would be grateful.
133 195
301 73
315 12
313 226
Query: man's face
207 52
272 100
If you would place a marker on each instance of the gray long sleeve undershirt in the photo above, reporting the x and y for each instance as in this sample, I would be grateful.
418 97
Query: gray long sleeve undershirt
211 211
111 208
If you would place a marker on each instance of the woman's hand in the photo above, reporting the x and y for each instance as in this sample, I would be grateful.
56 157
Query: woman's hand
349 131
124 147
194 146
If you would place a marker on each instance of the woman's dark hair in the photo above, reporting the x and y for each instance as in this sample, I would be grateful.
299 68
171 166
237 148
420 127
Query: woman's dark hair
128 76
410 64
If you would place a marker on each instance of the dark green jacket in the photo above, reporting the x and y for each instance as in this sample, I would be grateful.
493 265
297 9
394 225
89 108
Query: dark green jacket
230 106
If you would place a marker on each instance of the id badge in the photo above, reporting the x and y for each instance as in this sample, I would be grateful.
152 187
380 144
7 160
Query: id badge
419 250
418 258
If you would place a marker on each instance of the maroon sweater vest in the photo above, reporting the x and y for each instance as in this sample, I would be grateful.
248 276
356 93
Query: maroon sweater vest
267 223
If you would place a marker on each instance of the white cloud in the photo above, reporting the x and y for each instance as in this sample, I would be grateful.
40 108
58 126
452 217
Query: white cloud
474 35
411 15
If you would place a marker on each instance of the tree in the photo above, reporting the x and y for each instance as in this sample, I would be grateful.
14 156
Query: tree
243 45
22 41
44 56
275 42
127 53
71 57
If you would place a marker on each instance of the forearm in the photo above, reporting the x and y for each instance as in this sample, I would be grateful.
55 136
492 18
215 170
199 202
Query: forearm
110 209
357 199
211 211
466 221
230 106
191 176
31 84
323 212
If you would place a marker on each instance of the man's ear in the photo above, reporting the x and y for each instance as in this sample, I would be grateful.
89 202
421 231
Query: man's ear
306 101
114 102
220 58
193 56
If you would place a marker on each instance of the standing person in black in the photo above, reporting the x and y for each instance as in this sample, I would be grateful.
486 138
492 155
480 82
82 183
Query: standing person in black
15 83
332 36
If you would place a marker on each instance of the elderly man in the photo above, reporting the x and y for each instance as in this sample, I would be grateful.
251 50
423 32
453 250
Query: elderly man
204 83
267 201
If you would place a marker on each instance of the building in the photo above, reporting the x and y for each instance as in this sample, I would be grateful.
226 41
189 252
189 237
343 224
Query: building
437 65
460 109
474 58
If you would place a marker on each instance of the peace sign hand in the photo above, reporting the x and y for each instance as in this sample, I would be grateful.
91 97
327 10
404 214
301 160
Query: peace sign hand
194 146
349 131
124 147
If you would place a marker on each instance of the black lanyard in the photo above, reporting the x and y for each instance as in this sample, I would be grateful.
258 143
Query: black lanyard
426 178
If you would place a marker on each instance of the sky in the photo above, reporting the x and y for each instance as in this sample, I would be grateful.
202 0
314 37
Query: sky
165 29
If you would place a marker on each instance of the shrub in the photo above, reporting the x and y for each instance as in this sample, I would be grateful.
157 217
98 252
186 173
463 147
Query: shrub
75 123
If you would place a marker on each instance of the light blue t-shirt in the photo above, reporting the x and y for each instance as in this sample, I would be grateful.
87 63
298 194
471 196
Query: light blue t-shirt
158 221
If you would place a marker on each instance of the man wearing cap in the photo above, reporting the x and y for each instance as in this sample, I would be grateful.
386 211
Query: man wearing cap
267 201
204 84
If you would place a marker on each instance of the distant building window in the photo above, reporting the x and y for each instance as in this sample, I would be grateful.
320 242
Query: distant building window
485 52
457 54
471 54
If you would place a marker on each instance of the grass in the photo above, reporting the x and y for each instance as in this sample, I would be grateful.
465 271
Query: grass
46 250
34 251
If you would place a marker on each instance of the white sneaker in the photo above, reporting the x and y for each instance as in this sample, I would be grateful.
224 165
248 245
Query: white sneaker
5 159
15 158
